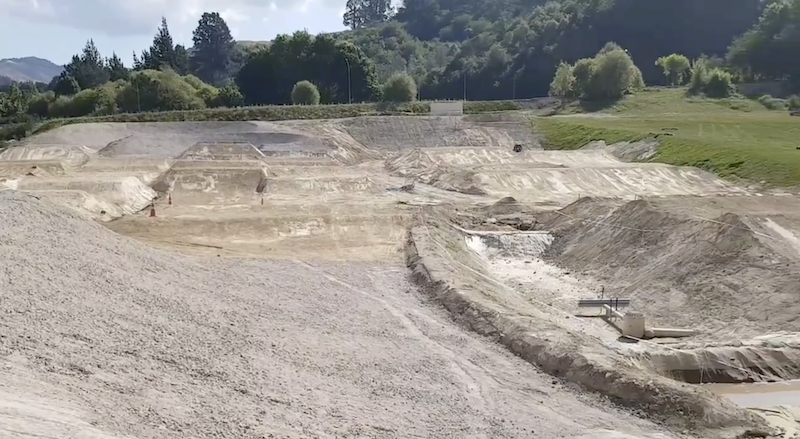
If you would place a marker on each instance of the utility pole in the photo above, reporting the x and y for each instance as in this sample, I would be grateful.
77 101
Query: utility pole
138 99
514 88
465 85
349 90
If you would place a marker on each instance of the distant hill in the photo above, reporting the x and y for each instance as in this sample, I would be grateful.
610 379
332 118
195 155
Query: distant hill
28 69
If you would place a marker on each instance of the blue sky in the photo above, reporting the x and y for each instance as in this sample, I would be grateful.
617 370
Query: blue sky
57 29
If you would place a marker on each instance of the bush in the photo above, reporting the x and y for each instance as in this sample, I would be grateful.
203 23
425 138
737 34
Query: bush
700 73
794 103
584 72
207 93
229 96
305 93
713 82
400 87
614 75
609 75
719 84
563 85
15 131
39 104
89 102
675 67
772 103
153 90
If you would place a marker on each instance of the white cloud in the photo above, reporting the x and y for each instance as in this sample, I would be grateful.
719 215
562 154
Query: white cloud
124 17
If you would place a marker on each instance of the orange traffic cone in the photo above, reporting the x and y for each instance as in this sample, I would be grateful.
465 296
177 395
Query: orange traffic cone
152 210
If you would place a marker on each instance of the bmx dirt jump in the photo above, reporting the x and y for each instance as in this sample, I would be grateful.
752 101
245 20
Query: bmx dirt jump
381 277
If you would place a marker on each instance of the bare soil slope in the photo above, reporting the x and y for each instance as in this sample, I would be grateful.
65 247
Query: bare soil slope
724 272
104 337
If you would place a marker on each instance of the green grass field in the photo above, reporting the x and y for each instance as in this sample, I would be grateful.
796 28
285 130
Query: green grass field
732 137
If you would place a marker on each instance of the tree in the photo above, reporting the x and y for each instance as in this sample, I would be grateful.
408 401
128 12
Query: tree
614 75
160 54
305 93
154 90
359 13
66 85
400 88
213 48
181 60
87 69
770 48
116 69
340 70
13 104
676 68
563 84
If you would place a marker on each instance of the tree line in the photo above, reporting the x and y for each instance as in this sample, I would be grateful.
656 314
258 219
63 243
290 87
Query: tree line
438 49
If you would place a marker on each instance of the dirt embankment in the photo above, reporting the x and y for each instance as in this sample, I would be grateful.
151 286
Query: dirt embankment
733 279
444 267
714 275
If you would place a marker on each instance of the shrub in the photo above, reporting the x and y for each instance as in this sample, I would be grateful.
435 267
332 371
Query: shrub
719 84
584 72
39 104
637 80
229 96
614 75
153 90
563 85
772 103
675 68
305 93
84 103
713 82
207 93
794 103
15 131
400 87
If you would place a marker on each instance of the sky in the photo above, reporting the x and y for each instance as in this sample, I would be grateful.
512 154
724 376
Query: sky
57 29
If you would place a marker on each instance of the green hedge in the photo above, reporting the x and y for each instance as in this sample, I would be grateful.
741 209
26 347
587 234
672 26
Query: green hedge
278 112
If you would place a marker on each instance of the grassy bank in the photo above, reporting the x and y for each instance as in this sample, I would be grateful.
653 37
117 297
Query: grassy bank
731 137
264 113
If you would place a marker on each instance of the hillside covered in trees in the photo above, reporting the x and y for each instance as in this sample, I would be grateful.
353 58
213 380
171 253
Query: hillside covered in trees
435 49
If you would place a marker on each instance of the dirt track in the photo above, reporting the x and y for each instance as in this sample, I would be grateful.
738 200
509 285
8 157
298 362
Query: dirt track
155 345
369 356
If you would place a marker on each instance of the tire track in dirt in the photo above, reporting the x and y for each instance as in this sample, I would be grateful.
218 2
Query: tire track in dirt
473 389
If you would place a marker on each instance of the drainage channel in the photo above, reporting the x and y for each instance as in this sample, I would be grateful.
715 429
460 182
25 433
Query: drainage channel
784 393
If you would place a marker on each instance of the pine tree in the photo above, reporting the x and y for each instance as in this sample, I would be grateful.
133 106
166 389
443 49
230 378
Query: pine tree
162 52
116 69
213 48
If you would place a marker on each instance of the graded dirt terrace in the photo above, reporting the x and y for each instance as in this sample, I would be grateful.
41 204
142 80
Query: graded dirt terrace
275 269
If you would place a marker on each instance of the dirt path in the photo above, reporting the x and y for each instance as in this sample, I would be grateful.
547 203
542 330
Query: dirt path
104 337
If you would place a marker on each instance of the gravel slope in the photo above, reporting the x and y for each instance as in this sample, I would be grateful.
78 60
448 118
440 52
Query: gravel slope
103 337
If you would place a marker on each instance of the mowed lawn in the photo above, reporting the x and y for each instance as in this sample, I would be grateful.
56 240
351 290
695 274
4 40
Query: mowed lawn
731 137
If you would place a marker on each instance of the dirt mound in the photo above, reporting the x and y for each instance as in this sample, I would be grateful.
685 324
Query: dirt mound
397 133
557 344
222 151
419 165
213 185
105 337
505 201
715 276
